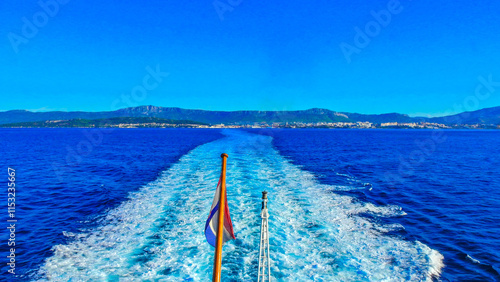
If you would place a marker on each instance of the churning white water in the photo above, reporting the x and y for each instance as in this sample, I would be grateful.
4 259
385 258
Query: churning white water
316 234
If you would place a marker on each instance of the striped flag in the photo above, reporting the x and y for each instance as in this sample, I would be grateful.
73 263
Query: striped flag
213 220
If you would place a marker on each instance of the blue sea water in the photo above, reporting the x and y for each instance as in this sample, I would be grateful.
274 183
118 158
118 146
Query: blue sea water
446 182
345 205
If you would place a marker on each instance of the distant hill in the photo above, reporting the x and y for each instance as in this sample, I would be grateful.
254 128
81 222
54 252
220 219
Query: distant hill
484 116
137 121
235 117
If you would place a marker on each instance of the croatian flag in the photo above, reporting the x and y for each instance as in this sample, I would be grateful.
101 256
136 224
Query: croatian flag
213 220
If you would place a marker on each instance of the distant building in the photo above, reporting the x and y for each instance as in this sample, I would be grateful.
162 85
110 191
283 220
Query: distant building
385 124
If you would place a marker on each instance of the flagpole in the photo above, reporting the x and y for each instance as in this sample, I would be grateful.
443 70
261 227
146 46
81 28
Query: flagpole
220 229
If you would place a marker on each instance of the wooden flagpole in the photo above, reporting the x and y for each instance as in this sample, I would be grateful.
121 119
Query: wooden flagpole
220 229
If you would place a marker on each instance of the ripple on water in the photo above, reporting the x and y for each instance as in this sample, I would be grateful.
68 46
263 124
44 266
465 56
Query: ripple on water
316 234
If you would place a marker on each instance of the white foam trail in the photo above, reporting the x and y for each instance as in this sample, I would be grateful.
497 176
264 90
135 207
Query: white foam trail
157 234
436 262
473 259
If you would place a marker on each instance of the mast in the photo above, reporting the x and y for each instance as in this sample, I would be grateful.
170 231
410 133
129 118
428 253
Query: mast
264 260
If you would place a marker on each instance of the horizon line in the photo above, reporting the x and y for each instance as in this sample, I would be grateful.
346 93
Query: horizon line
419 115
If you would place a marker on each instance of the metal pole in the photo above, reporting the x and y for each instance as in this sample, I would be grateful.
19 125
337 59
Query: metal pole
264 260
220 230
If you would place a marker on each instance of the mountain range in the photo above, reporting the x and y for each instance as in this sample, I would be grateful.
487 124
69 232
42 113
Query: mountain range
483 116
107 122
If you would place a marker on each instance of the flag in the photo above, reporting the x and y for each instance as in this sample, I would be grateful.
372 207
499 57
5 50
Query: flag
213 220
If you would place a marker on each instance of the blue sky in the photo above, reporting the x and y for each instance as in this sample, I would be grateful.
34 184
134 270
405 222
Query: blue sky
249 55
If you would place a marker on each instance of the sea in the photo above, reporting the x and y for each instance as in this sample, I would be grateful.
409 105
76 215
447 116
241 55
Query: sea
344 204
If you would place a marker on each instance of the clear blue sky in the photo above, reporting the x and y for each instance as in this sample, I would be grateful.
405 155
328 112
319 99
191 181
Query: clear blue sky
262 56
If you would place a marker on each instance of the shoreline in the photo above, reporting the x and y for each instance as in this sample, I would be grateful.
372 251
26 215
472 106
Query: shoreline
242 127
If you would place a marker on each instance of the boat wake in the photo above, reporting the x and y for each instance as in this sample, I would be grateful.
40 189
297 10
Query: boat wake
316 234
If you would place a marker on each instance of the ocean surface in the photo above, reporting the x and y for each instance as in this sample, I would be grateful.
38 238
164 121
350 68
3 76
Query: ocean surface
345 205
